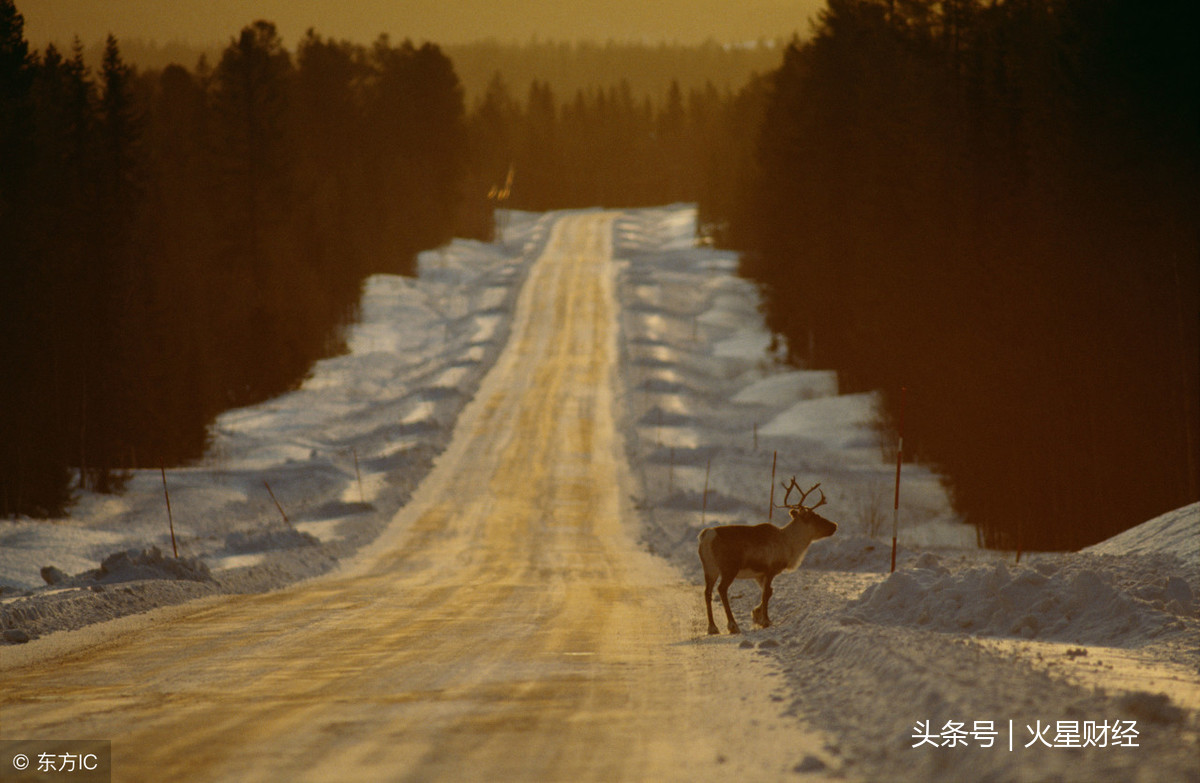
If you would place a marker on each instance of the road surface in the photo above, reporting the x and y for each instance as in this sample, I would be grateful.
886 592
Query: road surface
505 627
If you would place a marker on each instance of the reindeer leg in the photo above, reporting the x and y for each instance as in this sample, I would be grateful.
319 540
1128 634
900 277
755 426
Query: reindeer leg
711 572
723 590
760 612
709 581
757 613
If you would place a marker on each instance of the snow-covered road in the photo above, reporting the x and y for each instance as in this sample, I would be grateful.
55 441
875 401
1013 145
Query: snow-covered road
505 627
495 494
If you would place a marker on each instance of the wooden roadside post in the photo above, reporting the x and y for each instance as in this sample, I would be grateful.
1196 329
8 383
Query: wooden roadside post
286 521
899 460
170 520
771 504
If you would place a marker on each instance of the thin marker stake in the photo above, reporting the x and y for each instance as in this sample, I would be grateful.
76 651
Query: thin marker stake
771 509
170 519
361 495
286 521
899 460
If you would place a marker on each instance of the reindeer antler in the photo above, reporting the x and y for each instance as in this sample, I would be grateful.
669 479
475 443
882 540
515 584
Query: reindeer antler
820 502
803 495
788 493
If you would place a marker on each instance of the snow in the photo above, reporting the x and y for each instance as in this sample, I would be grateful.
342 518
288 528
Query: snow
341 453
707 405
784 387
1174 533
1062 600
956 634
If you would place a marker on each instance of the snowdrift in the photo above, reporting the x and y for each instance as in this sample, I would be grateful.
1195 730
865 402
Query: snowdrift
707 406
1071 600
341 454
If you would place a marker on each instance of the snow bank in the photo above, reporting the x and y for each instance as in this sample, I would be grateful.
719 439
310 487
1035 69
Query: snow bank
787 386
149 563
1175 532
845 423
1069 600
340 454
711 398
956 633
707 404
712 404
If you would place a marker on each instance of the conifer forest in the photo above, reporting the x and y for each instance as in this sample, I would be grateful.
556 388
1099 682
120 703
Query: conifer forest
992 204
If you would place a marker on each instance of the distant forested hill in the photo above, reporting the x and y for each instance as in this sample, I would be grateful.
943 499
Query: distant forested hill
566 67
649 70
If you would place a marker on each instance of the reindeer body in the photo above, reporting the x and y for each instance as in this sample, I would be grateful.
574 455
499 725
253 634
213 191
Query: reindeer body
759 552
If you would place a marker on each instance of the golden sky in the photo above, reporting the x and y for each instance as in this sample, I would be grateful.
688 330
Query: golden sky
203 22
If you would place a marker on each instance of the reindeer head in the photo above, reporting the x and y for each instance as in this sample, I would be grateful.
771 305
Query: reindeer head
806 515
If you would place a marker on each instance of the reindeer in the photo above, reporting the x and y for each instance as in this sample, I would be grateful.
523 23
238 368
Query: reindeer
759 552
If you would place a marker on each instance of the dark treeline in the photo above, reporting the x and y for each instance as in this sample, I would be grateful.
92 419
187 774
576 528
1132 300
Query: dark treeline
995 204
991 203
178 242
604 147
646 69
566 66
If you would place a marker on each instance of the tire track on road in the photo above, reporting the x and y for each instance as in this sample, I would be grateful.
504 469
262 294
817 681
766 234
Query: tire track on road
504 627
